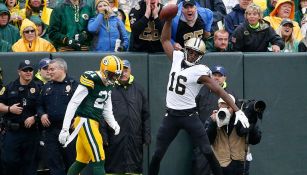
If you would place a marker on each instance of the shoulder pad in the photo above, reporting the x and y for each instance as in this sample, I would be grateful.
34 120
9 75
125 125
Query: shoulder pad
88 78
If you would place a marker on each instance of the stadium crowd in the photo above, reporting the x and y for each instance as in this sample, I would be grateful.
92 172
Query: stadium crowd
126 25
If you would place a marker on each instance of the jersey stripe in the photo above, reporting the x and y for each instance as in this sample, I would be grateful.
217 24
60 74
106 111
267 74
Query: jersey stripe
86 82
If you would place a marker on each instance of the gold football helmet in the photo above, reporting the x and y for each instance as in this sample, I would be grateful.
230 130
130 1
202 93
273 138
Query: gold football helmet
111 68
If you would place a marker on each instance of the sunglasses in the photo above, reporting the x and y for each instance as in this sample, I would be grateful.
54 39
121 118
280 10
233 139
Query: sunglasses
29 31
27 70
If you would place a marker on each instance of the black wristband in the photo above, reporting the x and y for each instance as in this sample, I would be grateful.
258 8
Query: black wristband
9 109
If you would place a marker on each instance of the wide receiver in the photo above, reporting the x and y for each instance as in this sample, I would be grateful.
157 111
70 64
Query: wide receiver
185 80
90 102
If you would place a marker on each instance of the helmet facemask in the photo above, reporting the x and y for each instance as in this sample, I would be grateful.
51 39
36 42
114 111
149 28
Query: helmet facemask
191 46
187 54
111 77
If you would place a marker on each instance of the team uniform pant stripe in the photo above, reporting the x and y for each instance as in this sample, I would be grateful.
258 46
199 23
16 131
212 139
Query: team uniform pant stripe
92 141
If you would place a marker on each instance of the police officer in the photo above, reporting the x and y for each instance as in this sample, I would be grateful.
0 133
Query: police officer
53 101
18 102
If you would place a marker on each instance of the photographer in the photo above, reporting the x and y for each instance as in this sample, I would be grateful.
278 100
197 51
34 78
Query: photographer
229 140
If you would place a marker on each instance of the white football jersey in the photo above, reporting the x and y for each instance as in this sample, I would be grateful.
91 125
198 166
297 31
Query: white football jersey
182 87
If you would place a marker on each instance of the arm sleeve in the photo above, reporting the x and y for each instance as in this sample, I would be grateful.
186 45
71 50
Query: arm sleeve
80 93
93 23
123 34
237 40
229 26
209 20
139 24
40 104
55 26
159 24
108 113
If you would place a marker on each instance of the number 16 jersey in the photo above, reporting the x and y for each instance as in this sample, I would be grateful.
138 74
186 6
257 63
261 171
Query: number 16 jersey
182 85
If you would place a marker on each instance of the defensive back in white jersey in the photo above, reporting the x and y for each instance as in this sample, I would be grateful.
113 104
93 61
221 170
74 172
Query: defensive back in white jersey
182 87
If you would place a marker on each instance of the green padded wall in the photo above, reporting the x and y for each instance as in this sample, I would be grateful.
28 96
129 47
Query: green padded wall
232 62
280 80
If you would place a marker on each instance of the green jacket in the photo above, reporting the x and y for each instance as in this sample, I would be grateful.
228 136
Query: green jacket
5 46
8 32
67 21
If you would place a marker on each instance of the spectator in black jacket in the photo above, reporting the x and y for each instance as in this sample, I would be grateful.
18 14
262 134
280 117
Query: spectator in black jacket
124 153
255 35
146 27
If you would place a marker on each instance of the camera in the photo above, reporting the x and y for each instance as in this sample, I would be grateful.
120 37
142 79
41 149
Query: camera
223 117
253 109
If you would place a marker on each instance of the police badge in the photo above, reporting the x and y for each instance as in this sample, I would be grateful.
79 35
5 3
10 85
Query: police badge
32 90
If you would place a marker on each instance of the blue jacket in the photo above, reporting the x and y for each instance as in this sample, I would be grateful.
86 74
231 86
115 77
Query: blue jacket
205 14
234 19
108 31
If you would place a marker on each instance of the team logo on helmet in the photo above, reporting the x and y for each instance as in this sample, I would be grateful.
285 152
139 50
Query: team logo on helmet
105 61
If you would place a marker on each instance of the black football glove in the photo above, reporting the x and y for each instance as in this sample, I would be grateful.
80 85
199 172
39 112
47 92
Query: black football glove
74 44
81 37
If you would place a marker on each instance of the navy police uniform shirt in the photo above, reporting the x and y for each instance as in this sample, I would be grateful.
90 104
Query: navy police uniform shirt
54 98
25 95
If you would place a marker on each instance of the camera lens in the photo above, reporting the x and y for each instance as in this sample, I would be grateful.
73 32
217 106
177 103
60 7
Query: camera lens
221 115
259 106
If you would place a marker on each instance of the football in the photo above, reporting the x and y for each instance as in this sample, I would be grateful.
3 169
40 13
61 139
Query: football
168 12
